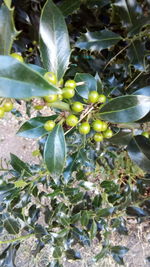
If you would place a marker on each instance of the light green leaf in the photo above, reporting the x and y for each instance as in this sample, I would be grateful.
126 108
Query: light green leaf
55 152
7 30
96 41
54 40
17 80
8 3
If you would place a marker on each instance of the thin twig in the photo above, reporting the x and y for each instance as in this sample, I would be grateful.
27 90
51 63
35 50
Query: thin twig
134 80
16 239
116 55
82 117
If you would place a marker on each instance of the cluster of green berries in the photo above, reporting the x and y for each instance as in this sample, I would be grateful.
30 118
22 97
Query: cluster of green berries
6 107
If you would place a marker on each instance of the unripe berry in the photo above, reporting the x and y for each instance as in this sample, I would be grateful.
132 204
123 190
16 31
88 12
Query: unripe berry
77 107
108 134
72 120
93 97
49 125
70 84
97 125
50 77
84 128
68 92
50 98
8 106
98 137
102 99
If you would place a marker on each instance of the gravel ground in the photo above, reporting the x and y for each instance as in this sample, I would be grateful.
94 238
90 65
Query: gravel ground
138 240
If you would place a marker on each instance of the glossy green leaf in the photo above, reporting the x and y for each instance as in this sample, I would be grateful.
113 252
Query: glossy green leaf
17 80
85 217
7 29
8 3
102 254
8 256
93 229
72 254
125 109
37 69
105 212
57 253
143 91
96 41
139 151
11 225
136 54
118 252
90 84
54 40
55 152
136 211
122 138
20 166
129 13
70 8
33 128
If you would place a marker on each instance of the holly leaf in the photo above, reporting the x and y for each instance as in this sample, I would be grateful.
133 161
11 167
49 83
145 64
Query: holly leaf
17 80
139 151
7 29
20 166
70 8
96 41
55 152
34 127
125 109
54 40
89 84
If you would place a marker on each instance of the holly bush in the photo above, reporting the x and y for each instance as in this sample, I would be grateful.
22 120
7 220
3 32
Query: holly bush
88 62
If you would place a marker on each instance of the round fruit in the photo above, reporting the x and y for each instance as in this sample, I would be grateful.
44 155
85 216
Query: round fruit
146 134
104 126
49 125
77 107
84 128
17 56
60 97
2 112
97 126
68 92
72 120
98 137
50 98
50 77
93 97
108 134
102 99
8 106
70 84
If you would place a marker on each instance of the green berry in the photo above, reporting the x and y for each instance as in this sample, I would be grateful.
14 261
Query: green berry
72 120
60 97
104 126
2 112
102 99
77 107
146 134
84 128
50 98
50 77
93 97
61 82
49 125
68 92
108 134
17 56
8 106
97 126
98 137
70 84
38 107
